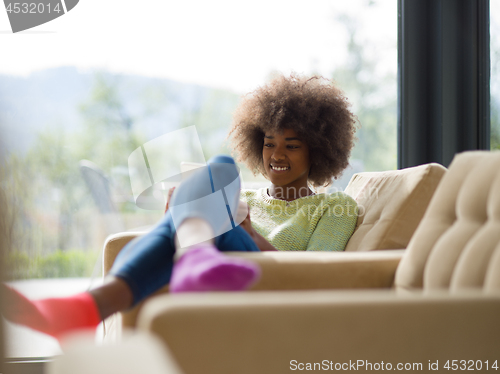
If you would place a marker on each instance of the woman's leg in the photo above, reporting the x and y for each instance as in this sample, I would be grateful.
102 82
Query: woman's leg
210 193
113 296
145 265
53 316
199 217
200 265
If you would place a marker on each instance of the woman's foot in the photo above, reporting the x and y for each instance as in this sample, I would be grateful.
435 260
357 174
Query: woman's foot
204 268
54 316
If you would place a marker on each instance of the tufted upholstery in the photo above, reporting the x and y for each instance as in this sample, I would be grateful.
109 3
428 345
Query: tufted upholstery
457 244
391 205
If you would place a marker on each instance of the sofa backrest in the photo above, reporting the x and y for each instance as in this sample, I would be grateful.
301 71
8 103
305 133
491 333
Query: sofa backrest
391 205
457 244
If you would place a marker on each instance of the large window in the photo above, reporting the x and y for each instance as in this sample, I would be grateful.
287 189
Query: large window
88 103
78 95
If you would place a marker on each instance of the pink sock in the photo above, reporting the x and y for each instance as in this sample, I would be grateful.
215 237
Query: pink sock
55 316
204 268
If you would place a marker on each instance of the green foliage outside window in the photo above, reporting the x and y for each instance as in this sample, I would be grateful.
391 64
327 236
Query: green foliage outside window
59 264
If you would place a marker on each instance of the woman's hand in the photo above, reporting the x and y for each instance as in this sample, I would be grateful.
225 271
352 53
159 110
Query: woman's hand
243 215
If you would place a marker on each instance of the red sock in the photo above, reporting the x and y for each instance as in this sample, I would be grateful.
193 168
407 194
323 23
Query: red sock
55 316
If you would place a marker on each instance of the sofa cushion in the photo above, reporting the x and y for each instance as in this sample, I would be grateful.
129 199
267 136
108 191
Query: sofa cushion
457 243
391 205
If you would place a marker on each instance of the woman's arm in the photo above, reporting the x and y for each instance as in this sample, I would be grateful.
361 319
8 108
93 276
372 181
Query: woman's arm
261 242
246 224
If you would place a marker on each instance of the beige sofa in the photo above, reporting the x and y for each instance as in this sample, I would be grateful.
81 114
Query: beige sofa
443 305
391 205
443 310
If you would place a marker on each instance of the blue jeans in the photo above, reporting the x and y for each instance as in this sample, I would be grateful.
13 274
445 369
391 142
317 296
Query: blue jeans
146 263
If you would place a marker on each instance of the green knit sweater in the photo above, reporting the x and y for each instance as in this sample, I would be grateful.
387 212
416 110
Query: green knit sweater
322 222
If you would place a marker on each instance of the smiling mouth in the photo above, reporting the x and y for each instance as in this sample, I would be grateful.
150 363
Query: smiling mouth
279 168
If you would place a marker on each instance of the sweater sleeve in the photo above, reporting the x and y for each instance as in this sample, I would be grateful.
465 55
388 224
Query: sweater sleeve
335 227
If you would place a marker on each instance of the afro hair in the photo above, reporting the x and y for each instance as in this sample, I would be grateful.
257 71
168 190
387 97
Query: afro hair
315 108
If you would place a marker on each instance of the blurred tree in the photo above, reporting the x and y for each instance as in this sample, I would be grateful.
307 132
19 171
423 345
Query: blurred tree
56 184
18 199
374 102
212 120
495 123
109 134
49 205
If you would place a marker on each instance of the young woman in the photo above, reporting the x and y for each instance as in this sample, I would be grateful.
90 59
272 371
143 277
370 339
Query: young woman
298 132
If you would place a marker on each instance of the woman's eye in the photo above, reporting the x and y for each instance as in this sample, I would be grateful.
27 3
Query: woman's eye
293 146
268 145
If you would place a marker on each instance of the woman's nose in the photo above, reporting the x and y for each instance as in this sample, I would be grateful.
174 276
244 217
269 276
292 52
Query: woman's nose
278 155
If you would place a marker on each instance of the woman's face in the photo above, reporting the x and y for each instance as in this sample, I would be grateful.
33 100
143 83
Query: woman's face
286 159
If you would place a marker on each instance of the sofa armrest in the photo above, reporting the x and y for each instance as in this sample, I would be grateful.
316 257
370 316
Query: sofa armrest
324 270
309 271
301 270
270 332
291 270
114 244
